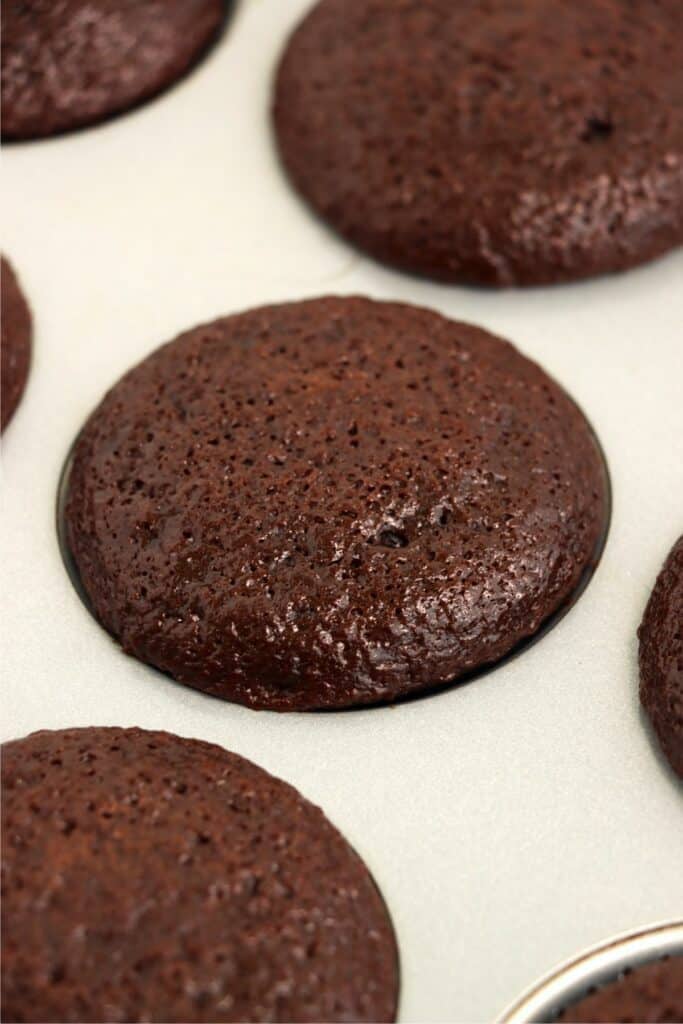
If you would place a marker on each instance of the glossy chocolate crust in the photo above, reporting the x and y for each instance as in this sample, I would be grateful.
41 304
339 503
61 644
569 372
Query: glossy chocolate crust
15 348
70 63
152 878
492 142
652 993
661 658
331 503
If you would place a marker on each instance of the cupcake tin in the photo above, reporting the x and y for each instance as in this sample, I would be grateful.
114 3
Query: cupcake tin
598 966
510 822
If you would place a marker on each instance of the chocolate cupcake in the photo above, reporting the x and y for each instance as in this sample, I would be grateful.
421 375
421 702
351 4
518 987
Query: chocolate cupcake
332 503
15 350
73 63
661 658
152 878
652 992
499 143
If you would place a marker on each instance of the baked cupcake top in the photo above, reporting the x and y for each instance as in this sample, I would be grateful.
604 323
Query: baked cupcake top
501 143
152 878
71 63
332 503
661 657
15 349
652 992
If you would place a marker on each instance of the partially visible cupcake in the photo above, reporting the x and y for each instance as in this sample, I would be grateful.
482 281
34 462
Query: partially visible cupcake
148 877
661 658
500 143
70 64
16 343
651 994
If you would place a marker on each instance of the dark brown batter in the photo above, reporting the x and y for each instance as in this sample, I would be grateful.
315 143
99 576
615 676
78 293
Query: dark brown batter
15 350
152 878
332 503
661 658
490 141
652 994
70 63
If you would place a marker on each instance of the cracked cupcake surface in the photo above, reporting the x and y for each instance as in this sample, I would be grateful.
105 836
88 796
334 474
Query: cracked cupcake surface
331 503
152 878
491 142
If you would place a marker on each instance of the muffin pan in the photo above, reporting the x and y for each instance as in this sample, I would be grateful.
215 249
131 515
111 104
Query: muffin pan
510 822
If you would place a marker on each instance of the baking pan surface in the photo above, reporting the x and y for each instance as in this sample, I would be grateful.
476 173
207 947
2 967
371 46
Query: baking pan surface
510 822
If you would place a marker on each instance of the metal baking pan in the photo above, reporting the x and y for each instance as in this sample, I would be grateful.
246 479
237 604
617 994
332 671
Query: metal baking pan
510 821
